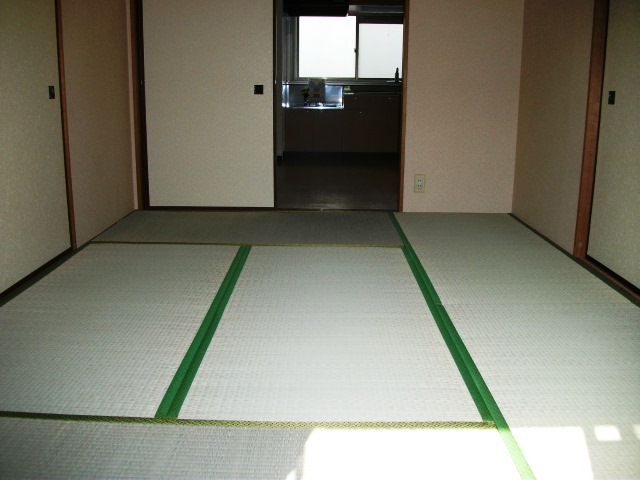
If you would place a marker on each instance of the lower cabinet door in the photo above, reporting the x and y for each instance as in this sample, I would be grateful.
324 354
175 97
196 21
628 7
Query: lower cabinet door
328 131
298 130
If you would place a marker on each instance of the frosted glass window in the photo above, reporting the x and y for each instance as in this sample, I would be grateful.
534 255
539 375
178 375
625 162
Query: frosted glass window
326 47
380 50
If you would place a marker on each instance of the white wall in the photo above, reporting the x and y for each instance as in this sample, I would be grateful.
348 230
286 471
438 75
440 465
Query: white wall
210 139
96 61
462 78
34 224
614 236
553 103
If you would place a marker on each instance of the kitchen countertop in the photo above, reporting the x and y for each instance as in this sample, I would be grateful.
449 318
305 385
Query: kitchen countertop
318 106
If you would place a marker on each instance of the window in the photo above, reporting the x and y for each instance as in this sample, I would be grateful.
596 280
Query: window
327 47
349 47
380 50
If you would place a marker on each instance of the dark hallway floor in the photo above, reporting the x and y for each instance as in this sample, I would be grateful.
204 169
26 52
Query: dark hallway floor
335 182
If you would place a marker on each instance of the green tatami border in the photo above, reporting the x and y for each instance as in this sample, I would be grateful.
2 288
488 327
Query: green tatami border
179 387
478 389
248 423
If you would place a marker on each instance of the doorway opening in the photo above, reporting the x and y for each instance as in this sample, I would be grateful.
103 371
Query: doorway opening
338 107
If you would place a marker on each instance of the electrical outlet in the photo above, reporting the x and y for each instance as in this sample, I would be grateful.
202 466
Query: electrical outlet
418 183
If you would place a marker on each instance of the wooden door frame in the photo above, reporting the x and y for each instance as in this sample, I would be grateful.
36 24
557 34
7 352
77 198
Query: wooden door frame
139 104
65 126
592 127
403 113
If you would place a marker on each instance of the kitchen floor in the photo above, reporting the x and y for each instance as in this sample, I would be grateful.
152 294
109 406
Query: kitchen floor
338 182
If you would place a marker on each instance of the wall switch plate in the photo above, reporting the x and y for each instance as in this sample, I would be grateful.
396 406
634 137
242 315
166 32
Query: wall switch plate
258 89
418 183
52 92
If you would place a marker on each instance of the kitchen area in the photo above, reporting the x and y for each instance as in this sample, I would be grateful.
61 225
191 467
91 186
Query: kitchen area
338 104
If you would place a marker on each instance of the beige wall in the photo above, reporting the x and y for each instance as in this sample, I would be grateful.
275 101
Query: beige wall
210 139
463 77
614 238
553 99
96 62
34 224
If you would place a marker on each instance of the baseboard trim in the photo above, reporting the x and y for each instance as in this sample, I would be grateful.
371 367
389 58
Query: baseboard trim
20 286
633 292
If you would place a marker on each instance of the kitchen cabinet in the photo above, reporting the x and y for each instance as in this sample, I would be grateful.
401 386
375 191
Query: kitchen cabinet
371 131
369 123
372 123
358 130
328 130
313 130
298 133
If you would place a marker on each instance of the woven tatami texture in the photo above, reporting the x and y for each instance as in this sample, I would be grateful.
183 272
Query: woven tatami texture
491 258
58 449
328 334
562 373
256 228
321 334
558 348
105 332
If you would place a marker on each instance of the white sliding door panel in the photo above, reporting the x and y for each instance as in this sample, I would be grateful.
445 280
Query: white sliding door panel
614 238
210 139
34 224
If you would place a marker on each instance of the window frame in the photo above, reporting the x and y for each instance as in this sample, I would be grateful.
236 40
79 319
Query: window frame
294 54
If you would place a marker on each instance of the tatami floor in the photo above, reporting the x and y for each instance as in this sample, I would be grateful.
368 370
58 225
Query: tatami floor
310 345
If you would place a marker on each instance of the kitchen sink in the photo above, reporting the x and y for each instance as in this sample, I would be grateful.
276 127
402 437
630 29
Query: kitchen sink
318 105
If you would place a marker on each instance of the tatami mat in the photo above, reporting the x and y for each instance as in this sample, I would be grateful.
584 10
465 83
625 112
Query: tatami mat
56 449
558 348
328 334
105 332
255 228
559 370
492 258
320 334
